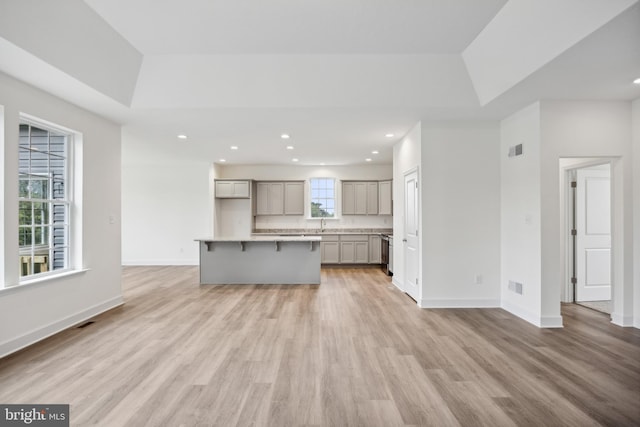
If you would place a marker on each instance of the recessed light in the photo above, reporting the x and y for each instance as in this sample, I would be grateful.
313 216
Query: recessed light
182 136
389 135
234 147
222 160
294 160
285 136
375 152
637 81
289 147
367 160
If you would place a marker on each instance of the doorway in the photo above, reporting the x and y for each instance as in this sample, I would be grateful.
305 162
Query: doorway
589 281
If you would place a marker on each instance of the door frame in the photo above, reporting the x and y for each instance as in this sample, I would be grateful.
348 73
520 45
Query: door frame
568 165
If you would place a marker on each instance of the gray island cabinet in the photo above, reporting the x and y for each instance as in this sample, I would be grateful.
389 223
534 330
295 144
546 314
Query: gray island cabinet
260 260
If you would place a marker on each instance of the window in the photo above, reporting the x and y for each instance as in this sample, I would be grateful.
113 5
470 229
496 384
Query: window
44 199
323 197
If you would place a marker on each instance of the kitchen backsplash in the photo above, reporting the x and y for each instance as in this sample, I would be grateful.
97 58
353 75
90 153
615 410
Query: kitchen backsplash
326 230
289 223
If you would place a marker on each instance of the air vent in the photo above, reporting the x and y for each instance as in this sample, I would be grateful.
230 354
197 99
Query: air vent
515 287
515 150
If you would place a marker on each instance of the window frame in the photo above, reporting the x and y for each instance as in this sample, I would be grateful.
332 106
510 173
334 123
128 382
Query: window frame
334 198
67 201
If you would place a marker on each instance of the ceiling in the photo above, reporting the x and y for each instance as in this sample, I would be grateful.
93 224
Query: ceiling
335 75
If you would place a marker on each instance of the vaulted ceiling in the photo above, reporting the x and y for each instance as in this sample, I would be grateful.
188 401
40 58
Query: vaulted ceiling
336 75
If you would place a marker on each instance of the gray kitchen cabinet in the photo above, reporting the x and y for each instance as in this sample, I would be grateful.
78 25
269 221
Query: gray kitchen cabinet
354 249
294 198
348 198
359 197
347 253
280 198
385 205
375 246
232 189
330 250
372 198
270 198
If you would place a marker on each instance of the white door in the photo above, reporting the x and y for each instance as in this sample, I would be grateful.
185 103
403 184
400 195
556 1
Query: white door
593 234
410 238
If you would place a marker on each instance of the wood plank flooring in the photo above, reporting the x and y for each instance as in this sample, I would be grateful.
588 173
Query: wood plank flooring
353 351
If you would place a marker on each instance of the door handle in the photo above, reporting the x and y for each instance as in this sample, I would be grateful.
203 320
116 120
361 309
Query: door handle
404 240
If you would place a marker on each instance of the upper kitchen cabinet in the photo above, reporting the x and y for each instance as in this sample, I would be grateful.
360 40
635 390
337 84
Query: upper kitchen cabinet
280 198
359 198
232 189
385 206
270 198
294 198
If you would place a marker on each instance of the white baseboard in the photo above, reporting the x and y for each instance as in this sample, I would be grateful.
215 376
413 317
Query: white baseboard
551 322
159 262
39 334
620 320
460 303
539 321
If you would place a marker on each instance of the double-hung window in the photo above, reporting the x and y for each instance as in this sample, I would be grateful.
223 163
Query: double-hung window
323 197
44 199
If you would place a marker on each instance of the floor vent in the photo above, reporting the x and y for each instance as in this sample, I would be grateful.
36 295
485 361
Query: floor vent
85 324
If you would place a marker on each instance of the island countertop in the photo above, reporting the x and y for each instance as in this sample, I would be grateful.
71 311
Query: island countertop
264 238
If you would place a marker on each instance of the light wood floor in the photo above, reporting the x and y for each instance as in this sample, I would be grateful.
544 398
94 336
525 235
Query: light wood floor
353 351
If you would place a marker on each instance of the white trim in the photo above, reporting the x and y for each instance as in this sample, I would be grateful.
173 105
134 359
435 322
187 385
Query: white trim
460 303
44 278
551 322
39 334
176 262
621 320
396 284
539 321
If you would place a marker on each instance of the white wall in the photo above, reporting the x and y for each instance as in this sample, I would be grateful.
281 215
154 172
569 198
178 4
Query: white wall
520 213
533 214
406 157
271 172
31 312
636 210
165 206
586 129
460 214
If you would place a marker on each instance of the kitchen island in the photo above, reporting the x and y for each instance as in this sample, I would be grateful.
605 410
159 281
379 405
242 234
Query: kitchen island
260 260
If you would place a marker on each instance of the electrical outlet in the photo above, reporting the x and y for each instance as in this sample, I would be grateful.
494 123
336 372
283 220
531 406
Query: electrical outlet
478 279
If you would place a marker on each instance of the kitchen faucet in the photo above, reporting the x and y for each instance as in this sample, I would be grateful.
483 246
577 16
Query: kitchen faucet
322 224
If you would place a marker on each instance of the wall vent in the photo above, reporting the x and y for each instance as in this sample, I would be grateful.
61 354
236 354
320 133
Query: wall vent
515 287
515 150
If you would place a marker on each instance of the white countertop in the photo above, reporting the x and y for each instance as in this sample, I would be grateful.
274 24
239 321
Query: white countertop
263 238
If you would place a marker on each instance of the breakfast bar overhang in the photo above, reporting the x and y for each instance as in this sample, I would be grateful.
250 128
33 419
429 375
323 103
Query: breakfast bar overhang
260 260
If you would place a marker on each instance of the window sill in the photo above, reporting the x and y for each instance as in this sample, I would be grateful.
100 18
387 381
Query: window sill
39 280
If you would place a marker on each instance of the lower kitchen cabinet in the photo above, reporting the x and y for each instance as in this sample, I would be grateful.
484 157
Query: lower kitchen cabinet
351 249
354 249
375 245
330 250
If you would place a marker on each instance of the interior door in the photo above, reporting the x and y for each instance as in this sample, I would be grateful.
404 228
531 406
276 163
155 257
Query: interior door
593 234
410 238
